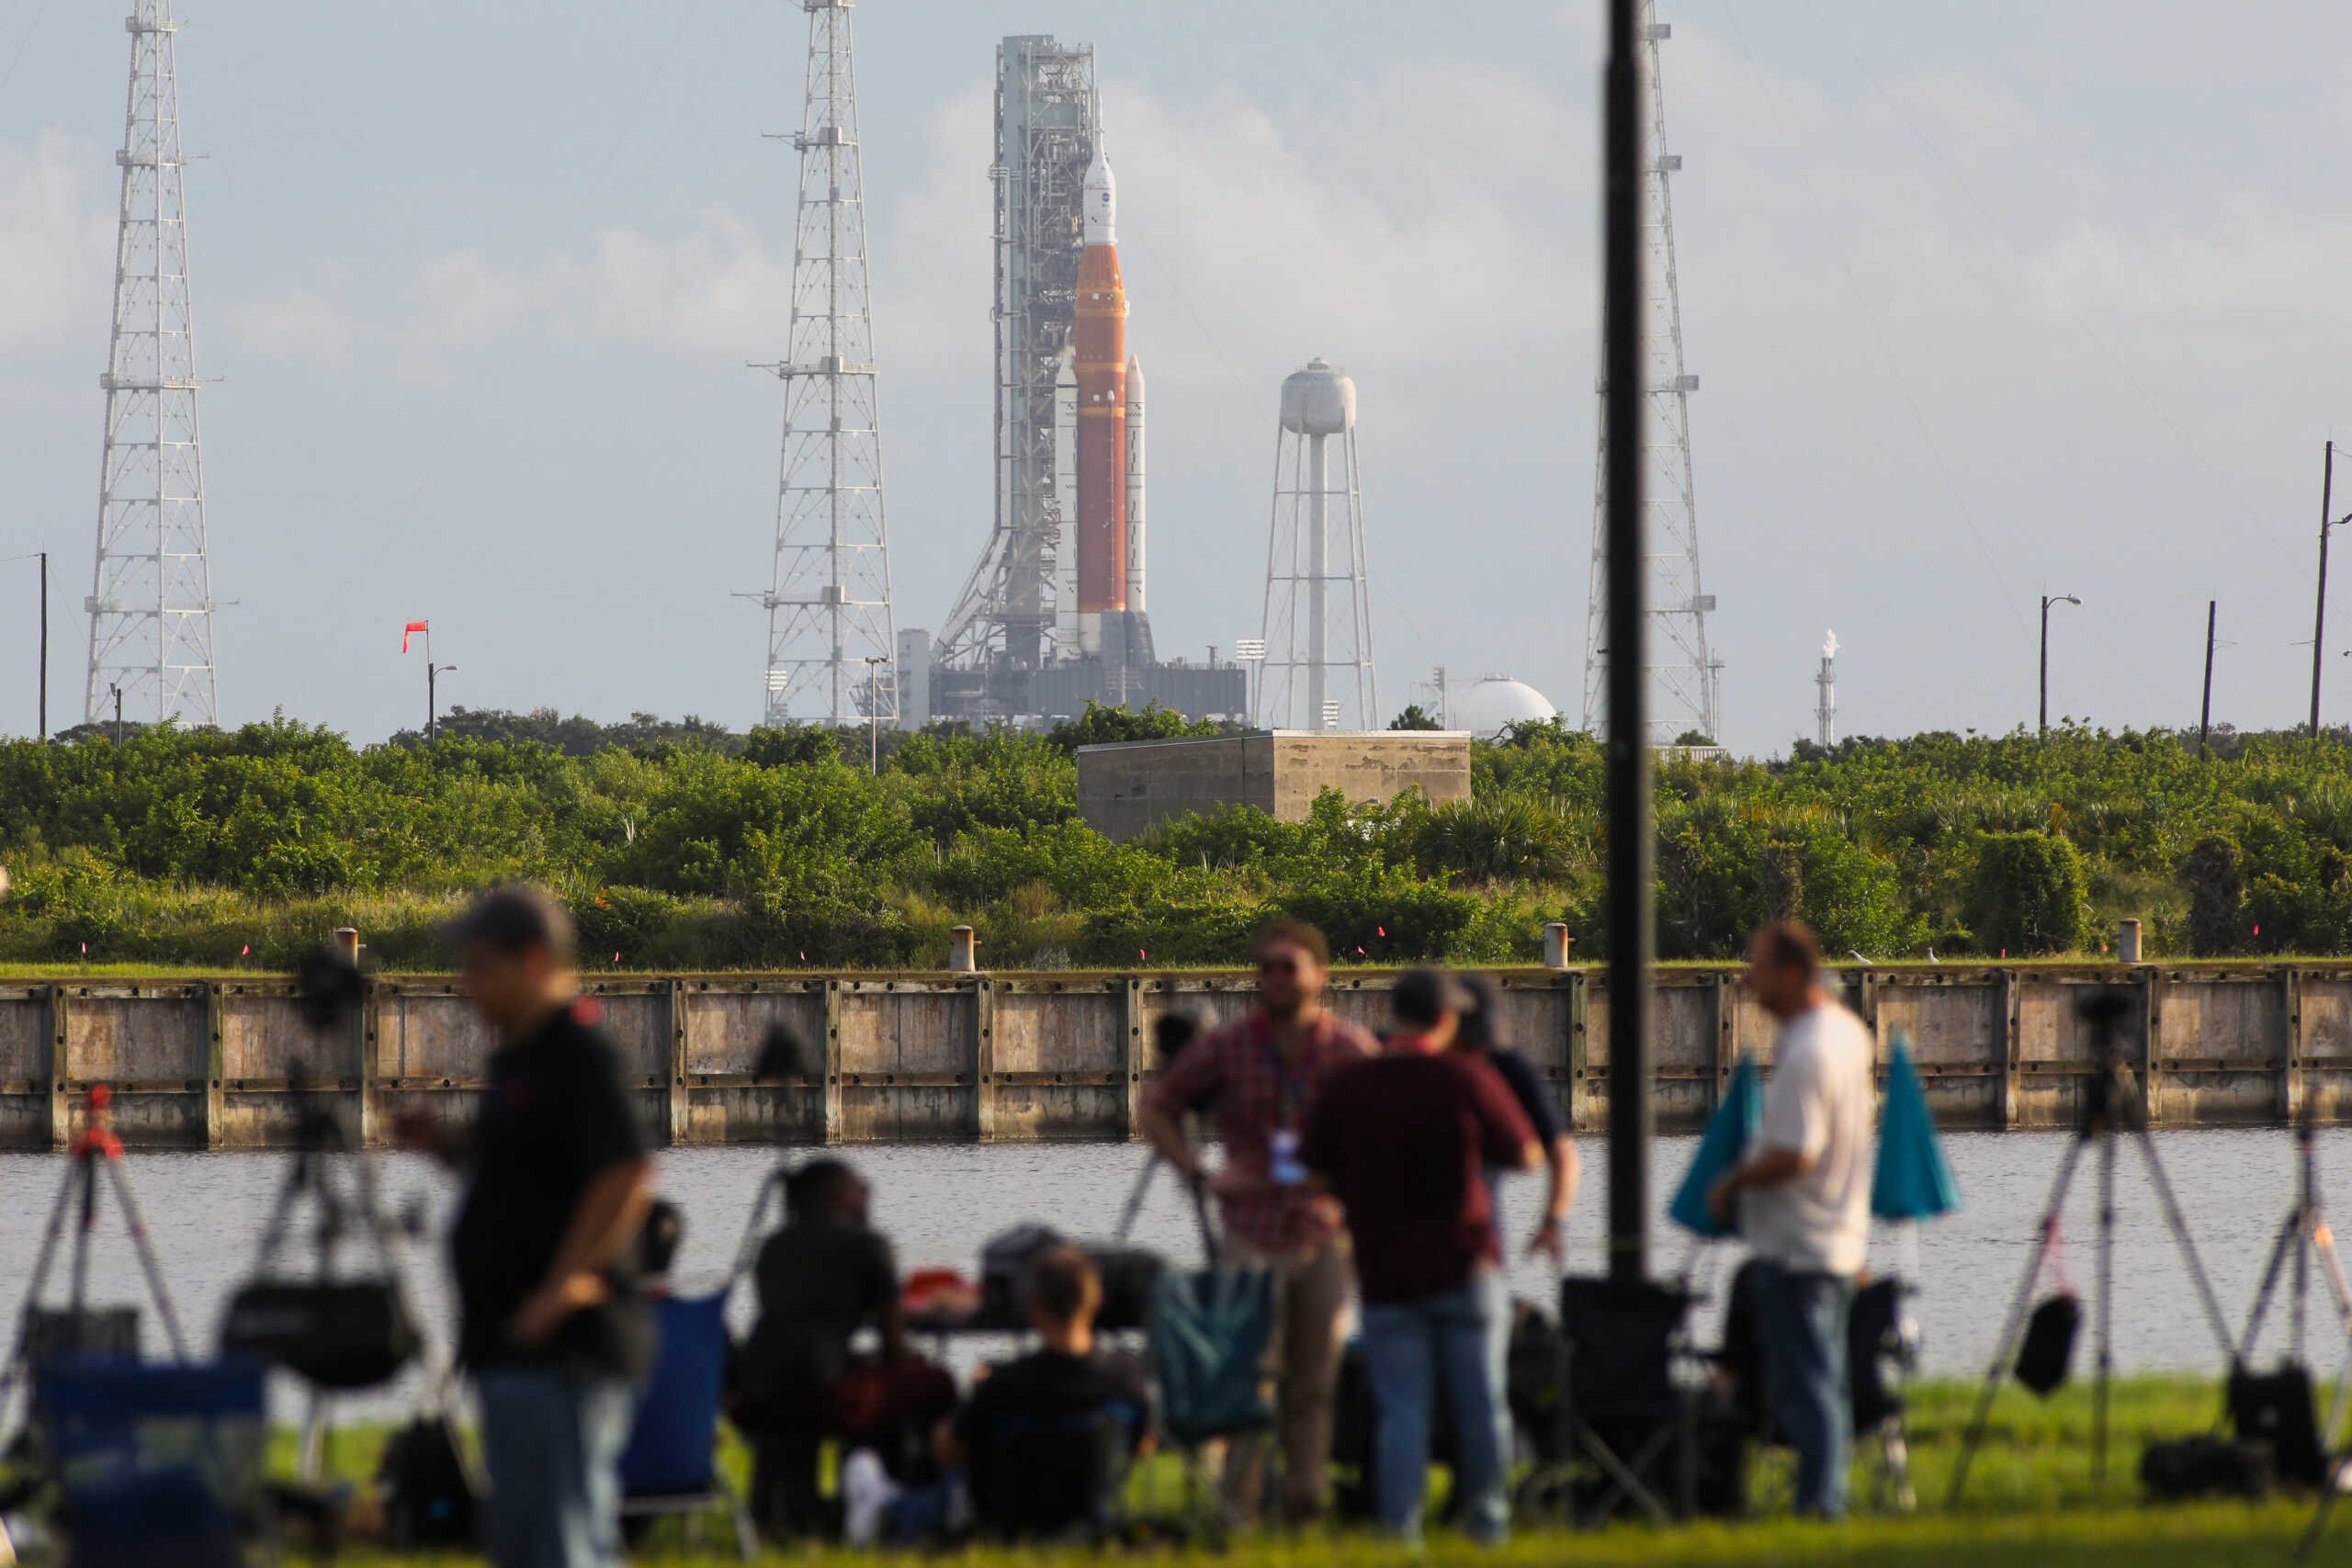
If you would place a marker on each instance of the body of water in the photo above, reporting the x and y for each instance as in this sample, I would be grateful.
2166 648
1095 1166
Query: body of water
938 1202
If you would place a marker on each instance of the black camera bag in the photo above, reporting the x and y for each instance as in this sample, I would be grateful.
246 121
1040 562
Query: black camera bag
2048 1348
338 1334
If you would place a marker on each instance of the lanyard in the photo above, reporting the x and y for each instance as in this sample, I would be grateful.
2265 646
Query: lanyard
1289 1093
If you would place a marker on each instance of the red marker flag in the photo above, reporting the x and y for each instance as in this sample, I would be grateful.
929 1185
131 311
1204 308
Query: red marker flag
1382 929
410 630
247 950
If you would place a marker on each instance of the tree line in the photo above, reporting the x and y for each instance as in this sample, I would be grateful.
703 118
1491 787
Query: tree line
686 845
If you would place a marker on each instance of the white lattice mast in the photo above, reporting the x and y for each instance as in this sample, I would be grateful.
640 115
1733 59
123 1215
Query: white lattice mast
1826 715
828 604
1683 675
1317 670
151 592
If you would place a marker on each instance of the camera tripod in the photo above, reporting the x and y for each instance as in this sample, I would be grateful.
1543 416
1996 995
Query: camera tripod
2305 1236
95 1149
2105 1112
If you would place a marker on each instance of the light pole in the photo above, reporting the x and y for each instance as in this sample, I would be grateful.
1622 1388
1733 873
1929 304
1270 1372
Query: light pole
874 714
2319 616
432 706
2048 600
117 713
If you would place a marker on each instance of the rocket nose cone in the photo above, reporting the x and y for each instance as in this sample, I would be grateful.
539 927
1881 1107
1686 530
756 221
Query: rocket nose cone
1100 196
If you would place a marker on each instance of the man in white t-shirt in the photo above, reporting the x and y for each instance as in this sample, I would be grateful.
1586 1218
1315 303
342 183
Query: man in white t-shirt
1803 1198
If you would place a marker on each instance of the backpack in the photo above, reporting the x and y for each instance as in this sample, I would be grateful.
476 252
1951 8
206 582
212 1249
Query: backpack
428 1494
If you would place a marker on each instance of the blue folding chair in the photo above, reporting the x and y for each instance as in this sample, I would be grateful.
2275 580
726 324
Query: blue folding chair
158 1462
671 1466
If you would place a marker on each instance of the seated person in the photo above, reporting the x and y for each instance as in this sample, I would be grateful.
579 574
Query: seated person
822 1278
1042 1444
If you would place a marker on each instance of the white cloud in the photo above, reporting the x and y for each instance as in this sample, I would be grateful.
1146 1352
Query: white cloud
295 326
2247 264
56 241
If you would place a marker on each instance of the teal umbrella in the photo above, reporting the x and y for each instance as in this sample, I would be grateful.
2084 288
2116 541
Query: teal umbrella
1720 1147
1912 1181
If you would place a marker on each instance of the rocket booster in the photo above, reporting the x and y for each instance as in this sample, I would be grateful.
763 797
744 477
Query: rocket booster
1101 371
1135 486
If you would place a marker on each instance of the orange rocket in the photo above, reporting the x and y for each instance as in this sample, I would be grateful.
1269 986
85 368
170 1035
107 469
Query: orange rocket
1101 367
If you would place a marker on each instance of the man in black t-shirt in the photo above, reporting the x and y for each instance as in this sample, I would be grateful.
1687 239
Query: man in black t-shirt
550 1322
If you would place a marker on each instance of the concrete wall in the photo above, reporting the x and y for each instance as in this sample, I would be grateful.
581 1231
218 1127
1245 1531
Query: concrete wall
1125 788
1043 1056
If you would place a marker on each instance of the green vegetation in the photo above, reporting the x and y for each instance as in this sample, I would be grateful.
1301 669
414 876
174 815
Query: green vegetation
2030 1501
687 846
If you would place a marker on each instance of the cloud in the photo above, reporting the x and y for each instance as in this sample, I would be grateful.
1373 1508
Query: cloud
56 241
296 326
2248 263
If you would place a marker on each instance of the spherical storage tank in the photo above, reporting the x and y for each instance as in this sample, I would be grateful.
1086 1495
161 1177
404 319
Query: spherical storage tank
1493 704
1319 400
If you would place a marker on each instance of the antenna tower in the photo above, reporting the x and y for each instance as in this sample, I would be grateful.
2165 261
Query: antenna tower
828 604
1317 670
1684 679
150 593
1826 715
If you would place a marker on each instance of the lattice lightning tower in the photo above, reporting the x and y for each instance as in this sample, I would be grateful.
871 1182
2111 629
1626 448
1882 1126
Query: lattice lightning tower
150 593
829 604
1683 676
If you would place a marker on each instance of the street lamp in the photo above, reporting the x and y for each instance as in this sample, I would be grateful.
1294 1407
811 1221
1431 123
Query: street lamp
874 714
432 708
2048 600
2319 616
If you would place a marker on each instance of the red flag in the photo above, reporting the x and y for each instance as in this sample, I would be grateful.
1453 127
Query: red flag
1359 950
247 950
1382 929
409 630
2257 930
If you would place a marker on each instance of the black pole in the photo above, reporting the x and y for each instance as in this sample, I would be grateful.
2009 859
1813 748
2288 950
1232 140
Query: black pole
432 710
117 713
1630 933
44 644
2205 709
2042 727
2319 616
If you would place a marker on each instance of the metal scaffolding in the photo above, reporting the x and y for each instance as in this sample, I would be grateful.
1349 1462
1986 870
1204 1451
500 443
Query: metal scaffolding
829 634
151 591
1684 677
1009 615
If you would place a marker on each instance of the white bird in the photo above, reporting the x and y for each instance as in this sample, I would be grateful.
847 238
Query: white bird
1860 959
1931 956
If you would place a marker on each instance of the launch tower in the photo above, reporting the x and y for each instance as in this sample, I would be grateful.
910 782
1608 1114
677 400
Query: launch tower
1683 675
1052 615
830 639
151 592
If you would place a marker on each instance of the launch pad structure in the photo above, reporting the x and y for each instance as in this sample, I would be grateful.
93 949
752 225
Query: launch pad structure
1052 615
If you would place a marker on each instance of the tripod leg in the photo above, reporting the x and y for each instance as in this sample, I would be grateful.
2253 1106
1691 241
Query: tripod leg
2323 1243
2106 1310
2211 1302
22 1349
85 1222
1135 1199
146 1250
2270 1271
2007 1348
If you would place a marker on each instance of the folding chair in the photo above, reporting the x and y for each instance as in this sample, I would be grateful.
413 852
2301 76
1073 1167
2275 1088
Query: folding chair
1627 1417
157 1462
671 1466
1061 1478
1210 1335
1882 1351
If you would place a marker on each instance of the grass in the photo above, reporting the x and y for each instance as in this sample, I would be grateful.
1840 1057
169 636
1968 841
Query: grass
2030 1504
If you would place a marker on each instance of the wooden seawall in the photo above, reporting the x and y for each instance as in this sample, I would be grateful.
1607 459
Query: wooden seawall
211 1064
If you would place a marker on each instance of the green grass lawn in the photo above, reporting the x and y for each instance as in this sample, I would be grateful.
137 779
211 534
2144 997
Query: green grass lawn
2030 1503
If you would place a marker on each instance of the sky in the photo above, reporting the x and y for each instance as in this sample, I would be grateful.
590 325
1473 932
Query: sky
1986 301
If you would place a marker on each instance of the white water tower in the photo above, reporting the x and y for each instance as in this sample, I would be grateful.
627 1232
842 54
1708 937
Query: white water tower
1317 624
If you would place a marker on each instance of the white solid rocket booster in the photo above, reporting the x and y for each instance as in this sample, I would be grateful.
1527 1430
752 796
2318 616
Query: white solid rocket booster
1134 485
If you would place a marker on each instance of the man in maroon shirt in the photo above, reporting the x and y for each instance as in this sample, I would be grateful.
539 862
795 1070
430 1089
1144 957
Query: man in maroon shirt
1403 1142
1262 1073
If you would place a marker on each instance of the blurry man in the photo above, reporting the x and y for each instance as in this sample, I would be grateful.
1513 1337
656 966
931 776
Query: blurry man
821 1278
1404 1142
1480 1035
559 1180
1262 1073
1803 1200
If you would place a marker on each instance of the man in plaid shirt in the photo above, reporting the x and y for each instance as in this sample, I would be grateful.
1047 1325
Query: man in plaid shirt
1260 1074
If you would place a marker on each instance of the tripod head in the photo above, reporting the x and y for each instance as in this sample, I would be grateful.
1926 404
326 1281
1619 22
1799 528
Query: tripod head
1170 1035
328 987
2103 1009
783 1055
